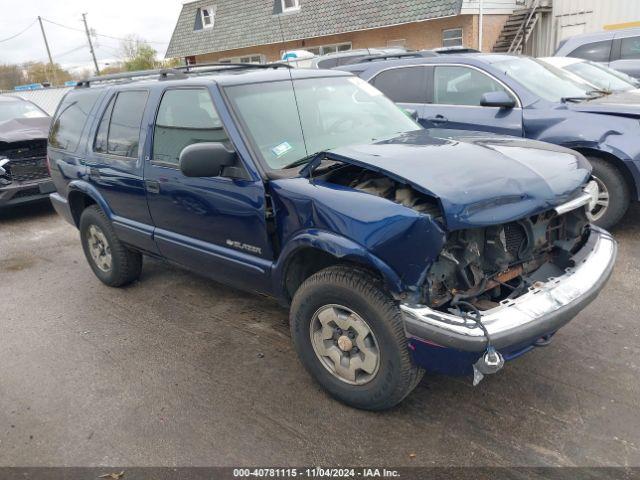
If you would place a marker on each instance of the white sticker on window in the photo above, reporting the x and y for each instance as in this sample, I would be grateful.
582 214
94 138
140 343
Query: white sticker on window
281 149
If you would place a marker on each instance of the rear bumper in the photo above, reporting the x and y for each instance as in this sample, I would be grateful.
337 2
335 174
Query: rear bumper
62 208
539 312
25 192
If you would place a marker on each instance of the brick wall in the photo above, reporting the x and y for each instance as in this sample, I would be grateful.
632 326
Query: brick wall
418 36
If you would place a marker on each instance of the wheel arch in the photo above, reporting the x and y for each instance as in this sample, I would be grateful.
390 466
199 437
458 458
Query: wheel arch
310 252
615 161
82 195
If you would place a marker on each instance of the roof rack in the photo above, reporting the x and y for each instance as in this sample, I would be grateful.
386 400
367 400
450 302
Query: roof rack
392 56
177 72
216 67
163 74
454 50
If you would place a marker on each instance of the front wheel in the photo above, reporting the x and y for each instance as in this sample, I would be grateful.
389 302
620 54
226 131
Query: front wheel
349 335
614 196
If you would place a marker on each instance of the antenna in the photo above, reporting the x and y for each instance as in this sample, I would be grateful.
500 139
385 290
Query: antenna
293 88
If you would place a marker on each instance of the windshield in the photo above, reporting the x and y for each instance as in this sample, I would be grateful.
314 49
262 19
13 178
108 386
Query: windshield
334 112
546 81
19 109
601 77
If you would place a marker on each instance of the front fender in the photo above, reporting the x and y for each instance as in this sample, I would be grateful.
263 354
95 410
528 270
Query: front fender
613 136
339 247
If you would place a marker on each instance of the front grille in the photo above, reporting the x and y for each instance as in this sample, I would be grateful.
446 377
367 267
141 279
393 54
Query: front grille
24 150
514 238
27 170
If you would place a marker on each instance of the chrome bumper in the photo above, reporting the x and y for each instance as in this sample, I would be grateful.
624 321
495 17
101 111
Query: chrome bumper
542 310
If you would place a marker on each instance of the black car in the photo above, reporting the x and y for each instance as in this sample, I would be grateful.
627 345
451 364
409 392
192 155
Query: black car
24 175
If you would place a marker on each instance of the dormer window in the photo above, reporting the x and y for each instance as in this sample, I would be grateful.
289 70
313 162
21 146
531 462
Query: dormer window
290 6
208 16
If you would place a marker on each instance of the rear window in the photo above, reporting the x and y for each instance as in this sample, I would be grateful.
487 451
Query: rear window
596 51
71 117
630 49
403 85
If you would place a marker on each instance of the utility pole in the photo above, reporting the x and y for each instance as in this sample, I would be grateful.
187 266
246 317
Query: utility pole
93 54
480 23
46 44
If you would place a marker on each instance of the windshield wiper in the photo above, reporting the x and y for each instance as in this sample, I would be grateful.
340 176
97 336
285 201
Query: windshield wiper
573 99
301 161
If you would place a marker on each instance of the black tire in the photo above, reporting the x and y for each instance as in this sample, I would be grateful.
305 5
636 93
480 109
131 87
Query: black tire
362 293
618 189
126 264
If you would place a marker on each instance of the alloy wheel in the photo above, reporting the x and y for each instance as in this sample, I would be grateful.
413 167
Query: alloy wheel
345 344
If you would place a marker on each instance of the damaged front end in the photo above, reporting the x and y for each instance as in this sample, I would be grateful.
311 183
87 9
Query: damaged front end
509 287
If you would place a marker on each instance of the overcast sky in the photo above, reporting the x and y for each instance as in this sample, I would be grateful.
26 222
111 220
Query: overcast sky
152 20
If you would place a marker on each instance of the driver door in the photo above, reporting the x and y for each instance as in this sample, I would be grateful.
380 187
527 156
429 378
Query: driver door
455 95
215 226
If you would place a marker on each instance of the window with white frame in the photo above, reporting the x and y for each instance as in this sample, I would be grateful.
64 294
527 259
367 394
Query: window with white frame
245 59
452 37
290 5
326 49
208 16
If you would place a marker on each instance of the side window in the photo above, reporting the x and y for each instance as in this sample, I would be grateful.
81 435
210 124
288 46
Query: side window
596 51
462 86
403 85
630 48
70 119
185 117
100 143
124 128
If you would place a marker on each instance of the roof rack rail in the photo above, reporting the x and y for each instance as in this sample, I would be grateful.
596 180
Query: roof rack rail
216 67
391 56
163 74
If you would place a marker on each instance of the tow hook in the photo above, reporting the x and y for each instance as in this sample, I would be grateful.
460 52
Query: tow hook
491 362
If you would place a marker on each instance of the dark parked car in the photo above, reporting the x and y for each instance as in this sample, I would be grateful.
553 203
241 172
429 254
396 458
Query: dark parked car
397 248
24 176
618 49
524 97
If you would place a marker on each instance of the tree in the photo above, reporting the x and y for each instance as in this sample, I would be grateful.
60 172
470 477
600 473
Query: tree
39 72
10 76
137 54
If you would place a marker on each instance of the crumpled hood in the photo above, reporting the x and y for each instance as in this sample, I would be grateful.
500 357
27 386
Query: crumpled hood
480 179
21 129
624 103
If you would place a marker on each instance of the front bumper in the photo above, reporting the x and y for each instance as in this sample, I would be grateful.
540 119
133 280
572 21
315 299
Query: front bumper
17 193
541 311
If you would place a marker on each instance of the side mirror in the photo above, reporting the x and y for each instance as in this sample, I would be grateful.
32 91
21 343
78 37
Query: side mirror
207 159
497 99
412 113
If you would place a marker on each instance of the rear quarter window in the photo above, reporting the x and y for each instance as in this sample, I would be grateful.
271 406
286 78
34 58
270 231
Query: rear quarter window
70 119
595 51
630 48
403 85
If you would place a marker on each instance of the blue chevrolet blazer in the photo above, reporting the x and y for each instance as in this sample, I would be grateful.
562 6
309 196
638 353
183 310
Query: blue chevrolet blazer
397 249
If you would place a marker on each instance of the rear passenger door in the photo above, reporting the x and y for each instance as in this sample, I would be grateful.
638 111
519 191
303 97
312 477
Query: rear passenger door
456 92
215 226
116 165
406 86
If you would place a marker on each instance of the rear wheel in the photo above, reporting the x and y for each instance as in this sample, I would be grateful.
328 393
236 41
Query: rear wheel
349 335
614 195
111 261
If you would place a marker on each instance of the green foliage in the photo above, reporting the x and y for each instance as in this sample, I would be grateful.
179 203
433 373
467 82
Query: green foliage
138 54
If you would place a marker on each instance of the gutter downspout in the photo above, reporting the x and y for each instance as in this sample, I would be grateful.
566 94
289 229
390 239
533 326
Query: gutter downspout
480 23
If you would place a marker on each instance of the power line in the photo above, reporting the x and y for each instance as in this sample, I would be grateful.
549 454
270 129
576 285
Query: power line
97 34
19 33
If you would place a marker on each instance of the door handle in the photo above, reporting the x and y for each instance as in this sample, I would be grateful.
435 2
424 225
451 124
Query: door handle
152 186
438 119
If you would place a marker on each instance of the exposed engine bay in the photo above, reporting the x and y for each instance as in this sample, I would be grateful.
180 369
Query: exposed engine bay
488 265
482 266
